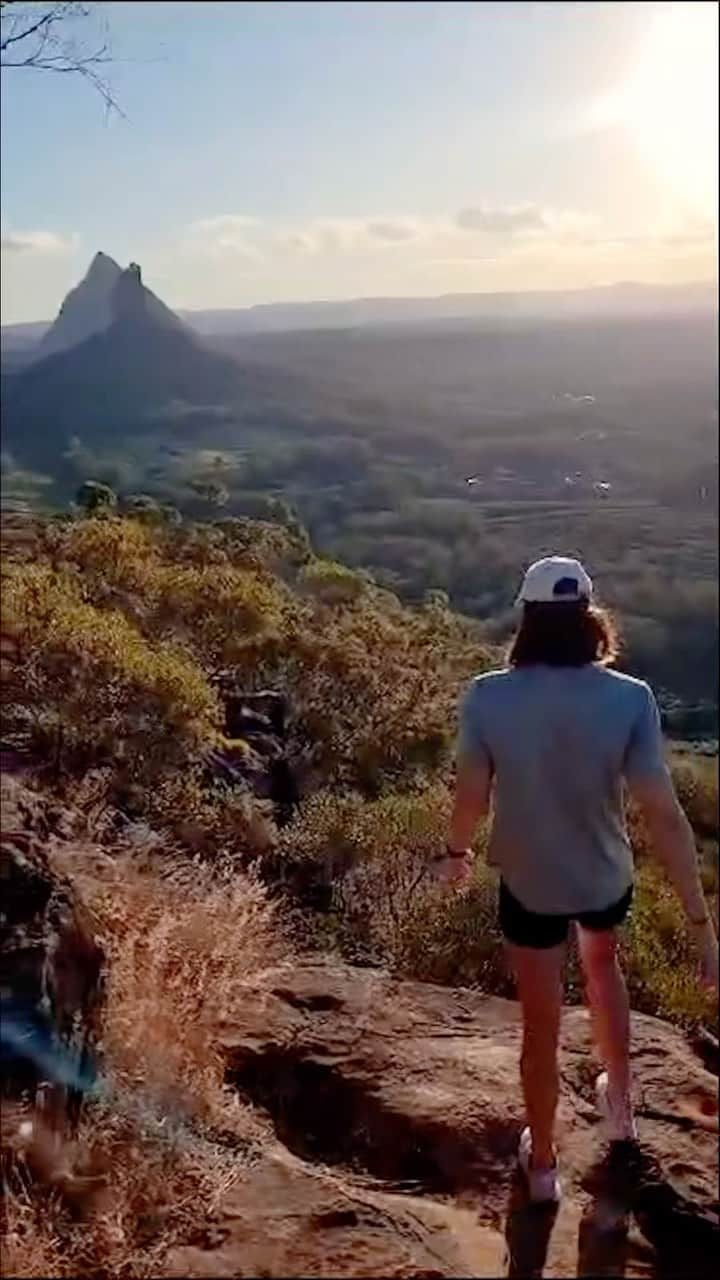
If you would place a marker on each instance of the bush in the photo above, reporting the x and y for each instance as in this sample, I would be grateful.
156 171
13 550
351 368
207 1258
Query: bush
696 782
374 856
333 583
95 684
372 685
659 959
215 821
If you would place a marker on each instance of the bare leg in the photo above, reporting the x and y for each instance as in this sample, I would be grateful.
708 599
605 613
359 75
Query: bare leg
609 1006
539 980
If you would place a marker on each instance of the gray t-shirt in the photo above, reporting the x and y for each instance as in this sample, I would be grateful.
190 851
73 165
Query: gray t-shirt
560 741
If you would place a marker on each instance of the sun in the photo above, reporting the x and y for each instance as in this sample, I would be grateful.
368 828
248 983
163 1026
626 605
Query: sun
669 104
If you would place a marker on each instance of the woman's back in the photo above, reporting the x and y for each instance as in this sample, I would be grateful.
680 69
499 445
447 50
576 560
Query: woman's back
559 741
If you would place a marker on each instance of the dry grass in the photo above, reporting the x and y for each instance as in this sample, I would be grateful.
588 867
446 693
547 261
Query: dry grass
166 1138
183 947
153 1196
28 1244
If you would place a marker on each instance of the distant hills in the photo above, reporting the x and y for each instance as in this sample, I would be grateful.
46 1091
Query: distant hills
119 372
622 300
86 310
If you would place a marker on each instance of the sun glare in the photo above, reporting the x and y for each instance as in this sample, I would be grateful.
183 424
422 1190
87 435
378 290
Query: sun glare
670 102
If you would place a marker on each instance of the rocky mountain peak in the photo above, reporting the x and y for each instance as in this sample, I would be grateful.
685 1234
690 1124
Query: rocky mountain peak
86 309
129 295
102 267
105 295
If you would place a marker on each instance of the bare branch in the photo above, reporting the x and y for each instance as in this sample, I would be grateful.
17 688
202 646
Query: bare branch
46 19
42 37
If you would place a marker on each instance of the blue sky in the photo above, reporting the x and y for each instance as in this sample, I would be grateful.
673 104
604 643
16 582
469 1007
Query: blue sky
282 151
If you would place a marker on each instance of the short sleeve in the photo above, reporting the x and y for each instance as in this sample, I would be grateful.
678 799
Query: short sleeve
645 755
471 744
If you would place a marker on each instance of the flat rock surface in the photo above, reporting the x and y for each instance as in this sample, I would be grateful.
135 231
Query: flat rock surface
396 1110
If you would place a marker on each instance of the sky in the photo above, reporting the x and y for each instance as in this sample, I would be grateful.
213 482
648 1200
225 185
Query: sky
295 151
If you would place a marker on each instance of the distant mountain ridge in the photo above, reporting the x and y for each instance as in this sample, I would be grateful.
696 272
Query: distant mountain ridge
622 299
86 310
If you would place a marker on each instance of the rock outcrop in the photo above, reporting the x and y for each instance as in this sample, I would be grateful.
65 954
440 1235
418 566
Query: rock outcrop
396 1112
104 295
287 1218
51 968
258 723
87 309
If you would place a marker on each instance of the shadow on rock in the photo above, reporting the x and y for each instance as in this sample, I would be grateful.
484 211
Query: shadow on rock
527 1231
628 1182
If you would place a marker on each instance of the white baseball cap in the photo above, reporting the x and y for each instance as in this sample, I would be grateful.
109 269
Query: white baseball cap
555 580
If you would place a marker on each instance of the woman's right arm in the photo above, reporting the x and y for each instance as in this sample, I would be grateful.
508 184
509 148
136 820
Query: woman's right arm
671 835
673 844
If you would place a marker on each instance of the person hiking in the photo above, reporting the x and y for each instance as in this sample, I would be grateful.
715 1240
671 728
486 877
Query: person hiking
555 736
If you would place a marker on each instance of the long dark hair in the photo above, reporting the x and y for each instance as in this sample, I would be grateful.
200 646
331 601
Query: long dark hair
567 634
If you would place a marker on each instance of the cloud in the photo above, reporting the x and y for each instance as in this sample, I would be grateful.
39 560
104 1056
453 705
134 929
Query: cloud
498 219
300 242
227 233
525 221
465 261
341 235
394 230
497 244
46 242
225 224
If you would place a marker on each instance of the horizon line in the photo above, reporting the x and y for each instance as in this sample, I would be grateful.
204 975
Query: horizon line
422 297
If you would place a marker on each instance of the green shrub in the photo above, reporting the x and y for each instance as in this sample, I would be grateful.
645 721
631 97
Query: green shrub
89 675
696 782
658 956
385 902
332 583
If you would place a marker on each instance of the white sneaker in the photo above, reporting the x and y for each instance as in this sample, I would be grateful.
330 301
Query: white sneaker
543 1184
617 1113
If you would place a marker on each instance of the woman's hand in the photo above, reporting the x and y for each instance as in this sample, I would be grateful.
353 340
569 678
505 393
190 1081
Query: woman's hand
453 868
707 945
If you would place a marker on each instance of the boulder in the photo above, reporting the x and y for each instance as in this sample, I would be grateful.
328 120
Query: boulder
257 721
247 714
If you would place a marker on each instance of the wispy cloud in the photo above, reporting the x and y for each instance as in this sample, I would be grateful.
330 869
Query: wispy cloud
451 235
521 220
342 235
497 219
43 242
227 233
490 240
394 230
472 260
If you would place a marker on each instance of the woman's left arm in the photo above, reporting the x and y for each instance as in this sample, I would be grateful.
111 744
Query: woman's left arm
472 801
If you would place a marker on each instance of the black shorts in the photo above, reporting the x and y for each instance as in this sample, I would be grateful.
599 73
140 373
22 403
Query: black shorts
530 929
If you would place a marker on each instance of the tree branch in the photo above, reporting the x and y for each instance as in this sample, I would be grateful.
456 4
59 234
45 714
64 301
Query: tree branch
44 44
46 19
